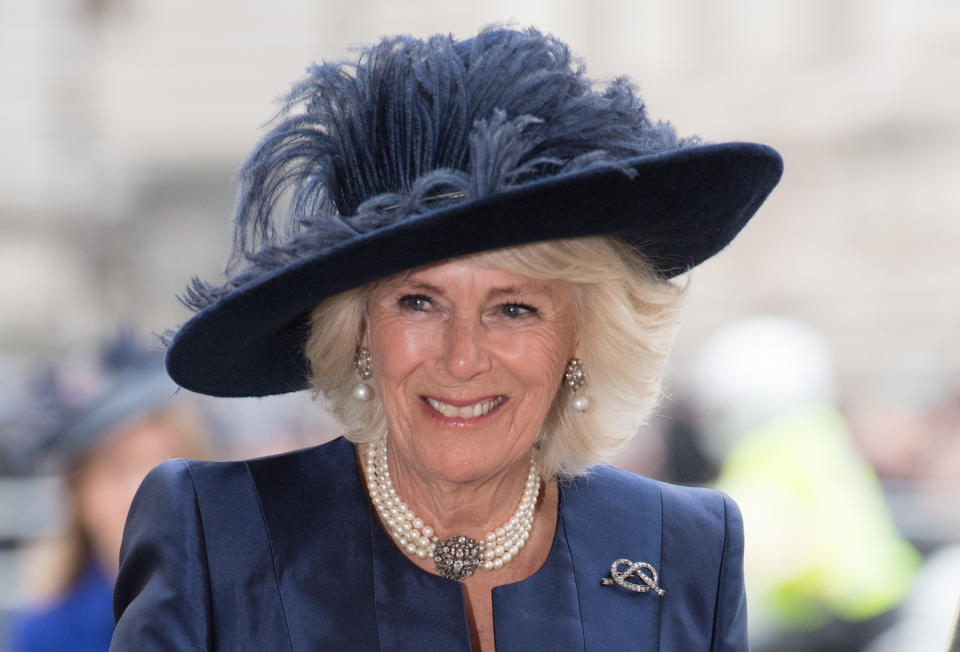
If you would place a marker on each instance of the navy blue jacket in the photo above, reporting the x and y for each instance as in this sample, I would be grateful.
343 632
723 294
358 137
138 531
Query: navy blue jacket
285 553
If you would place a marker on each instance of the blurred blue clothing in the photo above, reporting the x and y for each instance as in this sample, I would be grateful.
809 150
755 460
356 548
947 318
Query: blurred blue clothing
79 621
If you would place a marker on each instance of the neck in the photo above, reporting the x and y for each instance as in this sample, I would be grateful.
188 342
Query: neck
470 508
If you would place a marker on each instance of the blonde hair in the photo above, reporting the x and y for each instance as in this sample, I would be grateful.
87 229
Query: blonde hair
625 316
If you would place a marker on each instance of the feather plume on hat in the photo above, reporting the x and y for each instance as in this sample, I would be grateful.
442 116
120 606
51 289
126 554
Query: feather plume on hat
360 146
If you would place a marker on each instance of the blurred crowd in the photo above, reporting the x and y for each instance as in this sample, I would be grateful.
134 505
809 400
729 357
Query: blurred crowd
852 540
76 440
847 493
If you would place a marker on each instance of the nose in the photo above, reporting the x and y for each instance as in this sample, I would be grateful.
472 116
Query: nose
465 351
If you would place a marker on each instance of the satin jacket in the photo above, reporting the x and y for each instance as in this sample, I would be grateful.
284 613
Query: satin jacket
285 553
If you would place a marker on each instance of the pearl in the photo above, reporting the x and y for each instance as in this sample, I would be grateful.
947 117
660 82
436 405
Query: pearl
362 392
415 537
580 403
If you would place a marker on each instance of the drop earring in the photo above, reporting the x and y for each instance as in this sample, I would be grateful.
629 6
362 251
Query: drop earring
364 366
574 378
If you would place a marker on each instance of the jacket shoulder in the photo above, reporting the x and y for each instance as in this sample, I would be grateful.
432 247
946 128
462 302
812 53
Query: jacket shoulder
180 556
694 538
703 519
700 506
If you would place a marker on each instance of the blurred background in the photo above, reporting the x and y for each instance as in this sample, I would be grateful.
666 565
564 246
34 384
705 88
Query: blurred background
834 421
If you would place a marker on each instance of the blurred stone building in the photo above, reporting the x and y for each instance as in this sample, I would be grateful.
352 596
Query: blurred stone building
123 121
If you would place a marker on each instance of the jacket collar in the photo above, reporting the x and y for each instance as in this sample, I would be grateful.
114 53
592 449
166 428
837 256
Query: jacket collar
334 558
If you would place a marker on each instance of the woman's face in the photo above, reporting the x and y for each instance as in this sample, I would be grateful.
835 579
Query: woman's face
111 474
467 360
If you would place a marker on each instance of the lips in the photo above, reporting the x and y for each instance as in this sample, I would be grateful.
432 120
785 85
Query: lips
471 411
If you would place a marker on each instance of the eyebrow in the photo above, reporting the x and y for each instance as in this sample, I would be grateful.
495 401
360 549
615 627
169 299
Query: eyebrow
516 289
531 288
419 285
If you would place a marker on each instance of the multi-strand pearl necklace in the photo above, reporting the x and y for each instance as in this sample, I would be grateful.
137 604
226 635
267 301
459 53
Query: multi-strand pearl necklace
458 556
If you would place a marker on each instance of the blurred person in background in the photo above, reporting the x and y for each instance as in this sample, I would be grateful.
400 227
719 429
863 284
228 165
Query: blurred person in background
825 566
906 422
106 443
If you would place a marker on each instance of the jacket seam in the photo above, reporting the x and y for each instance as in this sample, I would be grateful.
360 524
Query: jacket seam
372 523
662 569
717 605
573 566
273 556
211 630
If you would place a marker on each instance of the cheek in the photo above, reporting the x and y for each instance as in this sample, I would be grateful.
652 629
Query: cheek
103 500
398 347
537 360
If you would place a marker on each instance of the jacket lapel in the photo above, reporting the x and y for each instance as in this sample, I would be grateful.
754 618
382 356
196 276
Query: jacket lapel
316 516
611 515
541 612
343 582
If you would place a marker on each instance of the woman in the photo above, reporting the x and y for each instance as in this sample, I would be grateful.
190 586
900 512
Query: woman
107 441
472 270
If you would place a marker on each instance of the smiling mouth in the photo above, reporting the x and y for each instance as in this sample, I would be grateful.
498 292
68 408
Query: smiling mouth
477 409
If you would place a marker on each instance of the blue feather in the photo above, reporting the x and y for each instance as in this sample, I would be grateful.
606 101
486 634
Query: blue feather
362 145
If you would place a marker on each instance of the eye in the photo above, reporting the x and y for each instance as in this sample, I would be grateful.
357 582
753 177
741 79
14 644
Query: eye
415 302
517 310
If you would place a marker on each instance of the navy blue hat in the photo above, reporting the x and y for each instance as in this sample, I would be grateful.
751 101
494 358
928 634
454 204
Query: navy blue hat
425 150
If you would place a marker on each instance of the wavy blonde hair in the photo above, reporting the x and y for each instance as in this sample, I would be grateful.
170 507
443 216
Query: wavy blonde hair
625 320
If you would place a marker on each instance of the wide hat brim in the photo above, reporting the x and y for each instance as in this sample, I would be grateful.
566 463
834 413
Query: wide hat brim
679 208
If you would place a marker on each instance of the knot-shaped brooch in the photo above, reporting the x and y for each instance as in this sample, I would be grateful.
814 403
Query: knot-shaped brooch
634 569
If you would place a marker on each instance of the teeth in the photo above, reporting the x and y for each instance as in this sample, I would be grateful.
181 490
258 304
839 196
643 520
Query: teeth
467 411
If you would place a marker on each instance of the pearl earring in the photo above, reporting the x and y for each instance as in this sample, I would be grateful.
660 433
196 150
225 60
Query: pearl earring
574 378
364 366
